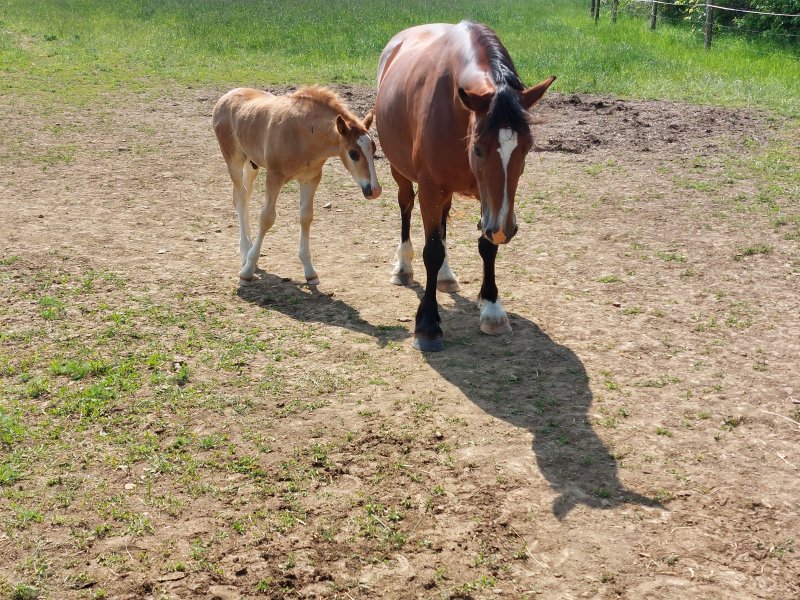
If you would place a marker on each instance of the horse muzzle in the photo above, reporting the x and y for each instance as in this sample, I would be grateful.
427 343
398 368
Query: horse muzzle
371 193
499 236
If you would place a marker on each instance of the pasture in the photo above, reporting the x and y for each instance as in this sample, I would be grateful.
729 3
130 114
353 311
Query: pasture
166 432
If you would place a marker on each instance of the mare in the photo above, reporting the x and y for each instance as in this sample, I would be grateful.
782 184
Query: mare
452 116
291 137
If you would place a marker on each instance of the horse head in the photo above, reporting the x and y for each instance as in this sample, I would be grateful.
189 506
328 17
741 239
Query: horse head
357 152
499 139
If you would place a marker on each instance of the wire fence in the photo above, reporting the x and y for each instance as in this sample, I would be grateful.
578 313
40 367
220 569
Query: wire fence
708 11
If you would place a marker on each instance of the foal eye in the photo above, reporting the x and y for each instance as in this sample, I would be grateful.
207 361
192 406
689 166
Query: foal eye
353 155
477 151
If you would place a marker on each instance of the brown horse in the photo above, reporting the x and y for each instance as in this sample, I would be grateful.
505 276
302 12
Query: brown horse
291 137
452 115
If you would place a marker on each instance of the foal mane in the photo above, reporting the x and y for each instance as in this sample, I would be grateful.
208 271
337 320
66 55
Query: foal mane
505 109
326 97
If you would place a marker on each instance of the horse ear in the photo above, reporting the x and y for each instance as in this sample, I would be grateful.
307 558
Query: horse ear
341 125
474 101
368 119
533 94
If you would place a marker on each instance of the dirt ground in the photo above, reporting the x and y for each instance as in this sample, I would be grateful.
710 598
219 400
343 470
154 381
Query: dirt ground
635 437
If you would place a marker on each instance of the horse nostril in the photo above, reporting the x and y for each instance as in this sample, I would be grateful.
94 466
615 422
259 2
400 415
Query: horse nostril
367 189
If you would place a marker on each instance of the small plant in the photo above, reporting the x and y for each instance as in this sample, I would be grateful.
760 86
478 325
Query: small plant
731 423
609 279
663 431
752 251
24 591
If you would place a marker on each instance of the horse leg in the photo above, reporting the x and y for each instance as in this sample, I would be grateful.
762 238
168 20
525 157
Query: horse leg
307 190
403 273
494 320
236 159
427 333
446 280
249 174
266 219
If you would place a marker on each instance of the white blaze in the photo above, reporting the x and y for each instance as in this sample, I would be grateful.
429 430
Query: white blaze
508 141
365 143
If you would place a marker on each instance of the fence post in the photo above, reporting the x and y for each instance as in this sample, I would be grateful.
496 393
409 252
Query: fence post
614 4
591 8
597 11
709 24
653 13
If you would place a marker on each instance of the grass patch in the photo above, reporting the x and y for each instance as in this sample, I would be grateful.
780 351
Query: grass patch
99 47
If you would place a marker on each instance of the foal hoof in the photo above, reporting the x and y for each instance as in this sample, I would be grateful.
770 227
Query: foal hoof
448 286
313 281
245 277
402 278
496 327
428 344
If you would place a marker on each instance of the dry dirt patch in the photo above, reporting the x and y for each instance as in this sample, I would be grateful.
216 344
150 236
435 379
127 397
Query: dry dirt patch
629 439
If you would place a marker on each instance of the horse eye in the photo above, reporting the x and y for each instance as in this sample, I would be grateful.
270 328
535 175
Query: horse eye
477 151
354 155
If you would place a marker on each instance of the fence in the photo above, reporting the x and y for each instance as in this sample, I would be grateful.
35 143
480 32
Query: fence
709 14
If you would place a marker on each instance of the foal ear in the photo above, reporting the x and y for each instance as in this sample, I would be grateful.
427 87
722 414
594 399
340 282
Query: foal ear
368 119
474 101
341 125
533 94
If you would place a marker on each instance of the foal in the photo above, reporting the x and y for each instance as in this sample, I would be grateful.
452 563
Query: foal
291 137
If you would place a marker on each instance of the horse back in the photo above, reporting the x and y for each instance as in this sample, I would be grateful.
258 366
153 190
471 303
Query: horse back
423 126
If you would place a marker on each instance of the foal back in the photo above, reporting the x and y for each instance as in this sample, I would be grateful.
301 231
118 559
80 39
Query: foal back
268 130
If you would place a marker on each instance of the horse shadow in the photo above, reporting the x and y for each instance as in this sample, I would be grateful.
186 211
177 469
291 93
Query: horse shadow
530 381
524 378
305 303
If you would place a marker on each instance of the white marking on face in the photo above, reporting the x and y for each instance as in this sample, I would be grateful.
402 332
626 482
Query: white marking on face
508 142
365 143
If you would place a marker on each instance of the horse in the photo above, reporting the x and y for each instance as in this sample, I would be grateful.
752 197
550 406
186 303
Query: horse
452 116
291 137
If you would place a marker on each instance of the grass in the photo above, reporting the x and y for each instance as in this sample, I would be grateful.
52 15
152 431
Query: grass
74 51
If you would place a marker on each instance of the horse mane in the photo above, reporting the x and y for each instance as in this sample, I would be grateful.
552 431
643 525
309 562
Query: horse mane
506 110
326 97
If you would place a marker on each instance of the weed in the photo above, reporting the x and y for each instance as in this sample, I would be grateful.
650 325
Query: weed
609 279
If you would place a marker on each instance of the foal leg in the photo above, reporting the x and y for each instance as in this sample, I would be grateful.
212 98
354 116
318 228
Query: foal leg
249 174
307 190
236 159
266 219
494 320
446 280
403 273
427 332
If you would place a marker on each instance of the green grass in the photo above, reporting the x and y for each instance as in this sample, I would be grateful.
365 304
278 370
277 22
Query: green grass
72 51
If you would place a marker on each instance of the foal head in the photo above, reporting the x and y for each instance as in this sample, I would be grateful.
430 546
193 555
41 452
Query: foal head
499 139
357 152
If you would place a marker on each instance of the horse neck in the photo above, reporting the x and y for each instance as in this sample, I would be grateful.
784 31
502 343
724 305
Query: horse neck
321 124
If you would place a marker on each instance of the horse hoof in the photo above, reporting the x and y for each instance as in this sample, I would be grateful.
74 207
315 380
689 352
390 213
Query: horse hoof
402 278
428 344
496 328
448 286
313 281
245 277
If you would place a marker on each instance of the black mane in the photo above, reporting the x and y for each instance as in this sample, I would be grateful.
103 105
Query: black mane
505 111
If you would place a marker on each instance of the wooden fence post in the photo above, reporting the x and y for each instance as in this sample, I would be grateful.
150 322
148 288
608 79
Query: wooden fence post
709 24
653 13
614 4
591 8
597 11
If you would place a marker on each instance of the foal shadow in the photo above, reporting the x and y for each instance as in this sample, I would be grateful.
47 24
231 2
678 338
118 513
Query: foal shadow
305 303
530 381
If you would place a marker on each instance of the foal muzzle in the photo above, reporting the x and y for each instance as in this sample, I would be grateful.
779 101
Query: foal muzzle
371 193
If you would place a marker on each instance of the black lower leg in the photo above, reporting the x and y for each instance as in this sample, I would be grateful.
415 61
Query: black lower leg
427 322
488 252
405 222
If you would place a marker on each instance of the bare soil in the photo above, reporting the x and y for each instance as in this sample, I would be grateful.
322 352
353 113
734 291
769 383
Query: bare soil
635 437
